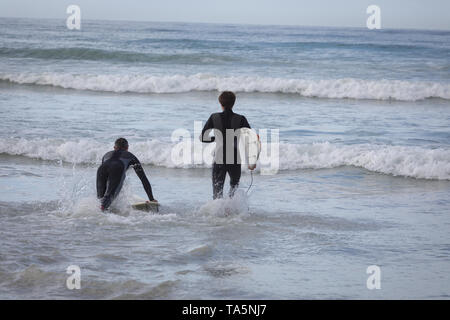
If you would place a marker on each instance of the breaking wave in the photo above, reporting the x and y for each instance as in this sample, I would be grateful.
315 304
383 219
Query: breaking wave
346 88
407 161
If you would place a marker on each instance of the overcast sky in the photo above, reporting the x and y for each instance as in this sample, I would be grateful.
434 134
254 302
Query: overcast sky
417 14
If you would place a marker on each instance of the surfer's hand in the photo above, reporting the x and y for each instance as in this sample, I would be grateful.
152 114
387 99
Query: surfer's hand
252 166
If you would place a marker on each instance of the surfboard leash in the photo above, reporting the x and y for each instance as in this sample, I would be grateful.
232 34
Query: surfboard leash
251 181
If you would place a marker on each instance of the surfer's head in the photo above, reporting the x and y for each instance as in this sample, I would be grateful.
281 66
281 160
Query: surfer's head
121 144
227 99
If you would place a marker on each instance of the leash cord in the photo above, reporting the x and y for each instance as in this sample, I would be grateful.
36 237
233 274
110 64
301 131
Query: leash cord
251 181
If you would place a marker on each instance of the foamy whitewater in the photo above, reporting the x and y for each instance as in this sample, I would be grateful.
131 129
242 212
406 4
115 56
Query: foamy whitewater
337 88
363 176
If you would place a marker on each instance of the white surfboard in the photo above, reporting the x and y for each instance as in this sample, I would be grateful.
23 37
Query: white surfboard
249 141
139 203
147 206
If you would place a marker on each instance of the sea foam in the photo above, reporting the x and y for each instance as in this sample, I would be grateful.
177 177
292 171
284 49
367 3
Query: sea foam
327 88
407 161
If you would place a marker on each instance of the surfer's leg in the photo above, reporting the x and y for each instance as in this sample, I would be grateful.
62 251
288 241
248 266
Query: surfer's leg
102 179
218 178
234 170
116 175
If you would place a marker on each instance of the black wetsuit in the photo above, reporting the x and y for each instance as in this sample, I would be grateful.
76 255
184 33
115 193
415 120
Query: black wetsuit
222 121
111 173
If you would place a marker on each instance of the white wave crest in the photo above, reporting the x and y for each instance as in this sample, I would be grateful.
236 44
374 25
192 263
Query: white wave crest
407 161
328 88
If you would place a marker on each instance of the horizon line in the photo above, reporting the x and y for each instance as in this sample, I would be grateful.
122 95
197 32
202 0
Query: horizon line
231 23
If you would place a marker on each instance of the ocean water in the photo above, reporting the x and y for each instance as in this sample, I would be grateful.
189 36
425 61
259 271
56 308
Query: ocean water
364 161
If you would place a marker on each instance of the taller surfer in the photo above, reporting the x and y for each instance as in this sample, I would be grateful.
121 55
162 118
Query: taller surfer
111 173
225 156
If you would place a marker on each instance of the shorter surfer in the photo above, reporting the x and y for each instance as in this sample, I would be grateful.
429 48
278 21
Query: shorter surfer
111 173
225 156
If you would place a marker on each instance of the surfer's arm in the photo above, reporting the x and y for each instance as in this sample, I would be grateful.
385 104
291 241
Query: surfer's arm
141 174
206 130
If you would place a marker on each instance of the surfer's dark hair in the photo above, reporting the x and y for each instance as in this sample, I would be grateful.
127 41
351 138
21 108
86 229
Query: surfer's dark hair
121 143
227 99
